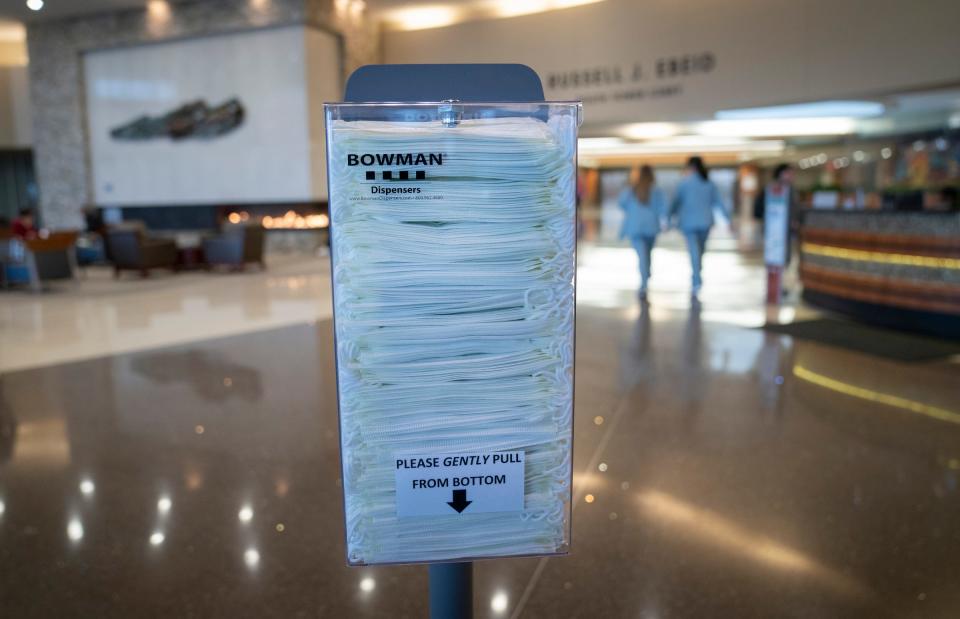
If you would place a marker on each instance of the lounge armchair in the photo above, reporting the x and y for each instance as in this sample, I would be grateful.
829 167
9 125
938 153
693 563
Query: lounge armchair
237 246
130 249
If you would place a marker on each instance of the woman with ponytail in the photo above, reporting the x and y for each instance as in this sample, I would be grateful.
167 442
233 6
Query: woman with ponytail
693 207
644 208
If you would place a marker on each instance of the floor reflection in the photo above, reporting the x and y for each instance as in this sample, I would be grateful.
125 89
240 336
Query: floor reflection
719 471
8 427
212 377
99 315
705 526
693 377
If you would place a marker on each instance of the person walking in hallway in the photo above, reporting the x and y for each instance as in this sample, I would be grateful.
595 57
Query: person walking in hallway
692 206
644 208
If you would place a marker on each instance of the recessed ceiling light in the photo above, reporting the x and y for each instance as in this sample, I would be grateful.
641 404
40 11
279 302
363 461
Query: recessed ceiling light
770 127
816 109
34 5
158 9
423 17
649 130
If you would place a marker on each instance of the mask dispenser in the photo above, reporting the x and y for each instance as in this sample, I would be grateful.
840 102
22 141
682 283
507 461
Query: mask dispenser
453 237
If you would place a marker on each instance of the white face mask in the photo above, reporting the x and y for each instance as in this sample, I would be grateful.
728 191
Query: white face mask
454 322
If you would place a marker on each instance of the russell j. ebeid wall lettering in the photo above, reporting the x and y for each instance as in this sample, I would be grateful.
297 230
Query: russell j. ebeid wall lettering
195 119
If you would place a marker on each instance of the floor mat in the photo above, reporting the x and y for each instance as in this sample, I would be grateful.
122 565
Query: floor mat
887 343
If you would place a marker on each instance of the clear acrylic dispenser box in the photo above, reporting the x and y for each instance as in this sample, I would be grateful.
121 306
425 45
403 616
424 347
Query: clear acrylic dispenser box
453 253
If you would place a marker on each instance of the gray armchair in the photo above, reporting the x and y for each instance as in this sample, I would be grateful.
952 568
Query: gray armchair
237 246
130 249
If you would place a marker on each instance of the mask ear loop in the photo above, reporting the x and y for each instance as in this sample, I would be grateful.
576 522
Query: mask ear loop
560 469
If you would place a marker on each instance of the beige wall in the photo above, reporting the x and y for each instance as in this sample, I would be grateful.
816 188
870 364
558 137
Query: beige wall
15 123
13 53
15 129
765 51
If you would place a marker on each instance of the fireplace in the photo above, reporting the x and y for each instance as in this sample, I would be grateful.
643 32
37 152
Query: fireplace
309 216
290 227
291 219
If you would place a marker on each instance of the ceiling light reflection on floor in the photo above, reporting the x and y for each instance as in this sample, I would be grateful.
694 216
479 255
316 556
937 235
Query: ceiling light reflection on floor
588 480
245 514
607 277
708 527
157 538
75 530
193 480
41 443
499 602
251 557
740 317
367 585
87 487
164 505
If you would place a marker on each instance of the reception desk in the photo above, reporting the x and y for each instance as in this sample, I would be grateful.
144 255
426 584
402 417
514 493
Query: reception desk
896 269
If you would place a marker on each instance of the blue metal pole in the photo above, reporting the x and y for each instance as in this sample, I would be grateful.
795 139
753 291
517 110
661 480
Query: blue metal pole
451 591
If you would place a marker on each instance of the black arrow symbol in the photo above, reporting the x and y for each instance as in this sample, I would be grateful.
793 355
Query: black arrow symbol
459 501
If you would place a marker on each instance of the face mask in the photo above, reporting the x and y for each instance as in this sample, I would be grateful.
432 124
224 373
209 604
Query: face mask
454 322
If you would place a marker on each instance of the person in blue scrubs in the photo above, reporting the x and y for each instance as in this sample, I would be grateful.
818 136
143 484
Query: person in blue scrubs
644 208
693 206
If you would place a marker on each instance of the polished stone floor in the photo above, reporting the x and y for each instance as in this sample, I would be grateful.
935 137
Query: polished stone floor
98 315
720 471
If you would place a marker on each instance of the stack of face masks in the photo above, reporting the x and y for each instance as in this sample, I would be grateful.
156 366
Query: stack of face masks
454 325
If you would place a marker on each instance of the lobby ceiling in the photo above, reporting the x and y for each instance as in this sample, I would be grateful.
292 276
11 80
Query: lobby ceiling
55 9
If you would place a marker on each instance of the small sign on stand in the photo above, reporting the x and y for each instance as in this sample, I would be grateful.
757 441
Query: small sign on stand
453 239
493 482
776 239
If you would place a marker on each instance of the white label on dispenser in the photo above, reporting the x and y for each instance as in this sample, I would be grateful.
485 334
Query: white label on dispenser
457 485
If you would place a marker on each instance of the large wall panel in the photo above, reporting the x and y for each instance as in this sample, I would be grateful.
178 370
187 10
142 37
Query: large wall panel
267 158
